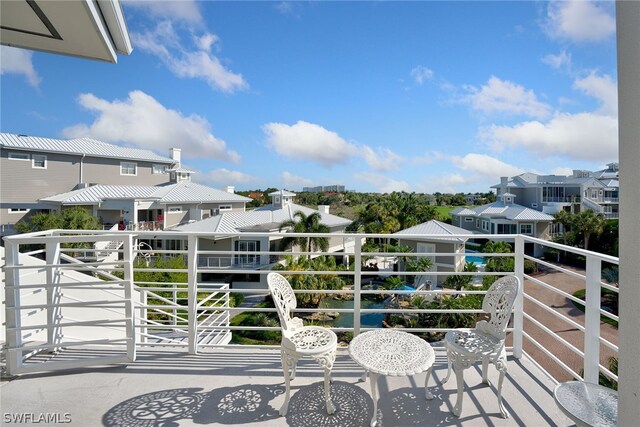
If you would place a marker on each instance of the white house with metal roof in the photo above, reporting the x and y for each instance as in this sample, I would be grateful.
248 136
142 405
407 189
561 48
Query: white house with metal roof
442 242
504 217
264 219
122 185
150 207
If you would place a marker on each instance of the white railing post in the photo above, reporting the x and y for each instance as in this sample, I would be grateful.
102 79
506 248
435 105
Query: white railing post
357 285
192 292
143 316
54 313
592 320
127 255
518 314
12 304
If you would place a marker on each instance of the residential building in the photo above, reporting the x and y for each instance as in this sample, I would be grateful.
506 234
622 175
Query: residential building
505 217
440 241
129 187
264 220
598 191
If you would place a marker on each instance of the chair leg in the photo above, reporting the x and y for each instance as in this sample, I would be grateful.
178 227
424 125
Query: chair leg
459 371
485 370
325 360
501 365
427 393
286 361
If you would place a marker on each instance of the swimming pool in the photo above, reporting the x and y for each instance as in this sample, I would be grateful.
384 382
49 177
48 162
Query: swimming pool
475 259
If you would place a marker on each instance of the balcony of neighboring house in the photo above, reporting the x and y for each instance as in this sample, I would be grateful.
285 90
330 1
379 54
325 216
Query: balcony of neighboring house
173 346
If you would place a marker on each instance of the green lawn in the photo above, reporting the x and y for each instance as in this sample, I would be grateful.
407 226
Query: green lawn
444 212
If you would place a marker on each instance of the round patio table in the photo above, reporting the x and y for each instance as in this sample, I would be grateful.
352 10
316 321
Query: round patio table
394 353
587 404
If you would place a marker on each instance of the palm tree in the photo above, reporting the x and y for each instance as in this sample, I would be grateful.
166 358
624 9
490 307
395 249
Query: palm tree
306 224
566 219
589 223
498 263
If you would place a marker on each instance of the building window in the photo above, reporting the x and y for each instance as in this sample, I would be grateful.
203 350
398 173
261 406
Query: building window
477 223
246 246
128 168
175 209
526 229
159 169
19 156
39 162
18 210
223 208
468 219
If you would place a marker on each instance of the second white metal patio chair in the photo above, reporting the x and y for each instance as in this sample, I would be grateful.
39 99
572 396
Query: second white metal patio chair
299 340
486 341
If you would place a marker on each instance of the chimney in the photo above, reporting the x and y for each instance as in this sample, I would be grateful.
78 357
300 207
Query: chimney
324 208
231 189
174 153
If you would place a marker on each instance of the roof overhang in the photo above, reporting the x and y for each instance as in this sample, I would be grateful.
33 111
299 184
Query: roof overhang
94 29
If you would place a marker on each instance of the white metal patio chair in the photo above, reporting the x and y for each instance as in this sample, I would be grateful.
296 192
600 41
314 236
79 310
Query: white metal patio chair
486 341
299 340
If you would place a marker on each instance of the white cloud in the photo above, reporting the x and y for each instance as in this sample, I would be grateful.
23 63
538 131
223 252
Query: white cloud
165 43
584 136
602 88
308 141
428 158
290 180
382 160
223 176
140 120
18 61
485 165
579 20
448 183
186 11
421 74
382 183
559 61
503 96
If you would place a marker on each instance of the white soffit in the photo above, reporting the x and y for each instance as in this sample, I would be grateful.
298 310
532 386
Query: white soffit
94 29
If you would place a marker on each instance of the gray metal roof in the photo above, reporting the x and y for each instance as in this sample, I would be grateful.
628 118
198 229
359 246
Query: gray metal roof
187 191
88 146
183 192
265 216
508 211
282 193
437 228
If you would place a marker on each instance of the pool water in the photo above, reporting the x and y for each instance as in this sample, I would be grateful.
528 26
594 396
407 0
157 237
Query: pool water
474 259
345 320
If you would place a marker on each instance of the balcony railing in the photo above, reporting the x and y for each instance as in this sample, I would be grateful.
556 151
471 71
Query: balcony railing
55 301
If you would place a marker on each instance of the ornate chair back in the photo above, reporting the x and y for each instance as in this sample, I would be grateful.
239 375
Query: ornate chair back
285 301
498 302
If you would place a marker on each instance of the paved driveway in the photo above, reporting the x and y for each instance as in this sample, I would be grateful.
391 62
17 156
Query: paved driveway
563 305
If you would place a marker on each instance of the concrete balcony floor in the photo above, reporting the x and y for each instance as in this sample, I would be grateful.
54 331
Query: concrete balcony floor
245 387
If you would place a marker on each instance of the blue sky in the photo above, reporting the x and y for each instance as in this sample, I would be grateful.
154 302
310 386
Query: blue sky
378 96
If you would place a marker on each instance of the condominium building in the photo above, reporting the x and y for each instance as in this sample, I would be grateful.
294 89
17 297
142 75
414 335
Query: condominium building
598 191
